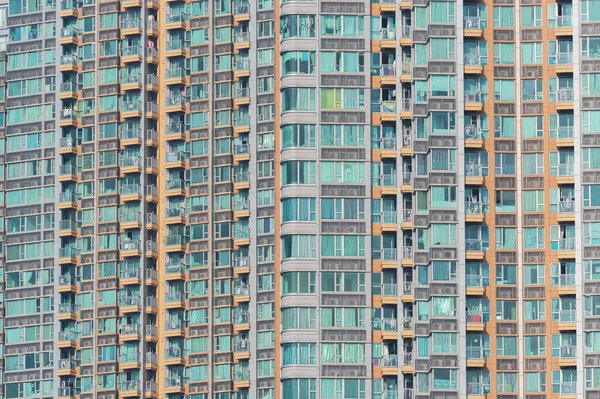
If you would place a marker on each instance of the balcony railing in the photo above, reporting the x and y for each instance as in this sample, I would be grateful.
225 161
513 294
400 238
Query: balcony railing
473 96
130 328
67 308
174 268
565 170
241 261
564 21
241 9
68 224
568 351
173 352
408 287
567 316
174 184
134 105
388 180
566 244
473 244
67 335
473 132
390 325
66 363
389 361
131 245
130 301
131 51
568 388
128 77
566 206
473 208
173 325
564 94
473 170
407 253
388 217
566 280
473 60
175 156
477 388
387 70
475 316
131 23
241 290
240 37
476 280
67 252
173 381
474 352
406 32
177 17
388 107
130 385
389 289
407 178
564 58
71 59
242 346
174 239
472 23
564 132
388 34
241 317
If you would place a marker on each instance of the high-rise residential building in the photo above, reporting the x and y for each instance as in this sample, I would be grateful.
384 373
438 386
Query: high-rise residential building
300 199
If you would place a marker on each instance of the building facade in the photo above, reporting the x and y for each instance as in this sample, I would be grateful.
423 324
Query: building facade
300 199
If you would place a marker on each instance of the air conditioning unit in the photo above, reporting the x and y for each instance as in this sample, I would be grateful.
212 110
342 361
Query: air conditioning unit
448 254
351 229
536 366
449 291
437 363
449 327
448 217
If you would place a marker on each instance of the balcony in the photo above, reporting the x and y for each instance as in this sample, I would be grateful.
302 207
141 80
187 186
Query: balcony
407 219
66 392
388 74
408 364
564 136
67 339
406 36
473 100
405 72
241 379
69 63
566 284
69 8
407 256
241 265
241 40
566 248
241 350
175 187
241 153
389 294
474 211
131 247
564 25
173 355
241 237
131 81
175 243
568 388
473 27
475 356
564 63
473 64
565 174
564 99
176 20
477 389
476 284
66 367
66 311
566 210
476 320
567 355
174 384
241 180
388 111
567 319
129 388
130 275
131 54
387 38
67 255
241 12
407 328
389 365
389 221
474 248
129 360
388 184
389 329
473 136
176 48
131 26
175 103
174 328
241 294
130 109
130 304
241 321
473 174
175 271
129 332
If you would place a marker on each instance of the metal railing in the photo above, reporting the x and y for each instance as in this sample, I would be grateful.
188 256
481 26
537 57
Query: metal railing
388 34
566 244
389 289
472 96
567 316
407 253
473 244
564 94
129 328
388 107
473 208
473 132
389 325
568 351
472 23
473 170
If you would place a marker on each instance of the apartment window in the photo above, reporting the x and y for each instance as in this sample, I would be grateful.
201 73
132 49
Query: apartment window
504 17
589 11
342 245
504 126
532 89
265 56
265 169
266 141
506 274
533 200
442 49
299 246
531 16
443 159
535 346
504 90
533 238
342 388
299 353
265 85
342 61
504 53
532 126
298 209
342 98
442 11
300 26
444 271
533 163
534 274
298 172
265 197
506 346
298 62
535 310
298 136
298 99
298 318
265 29
504 163
342 25
342 208
299 388
506 238
506 310
592 269
343 317
342 172
590 47
298 282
